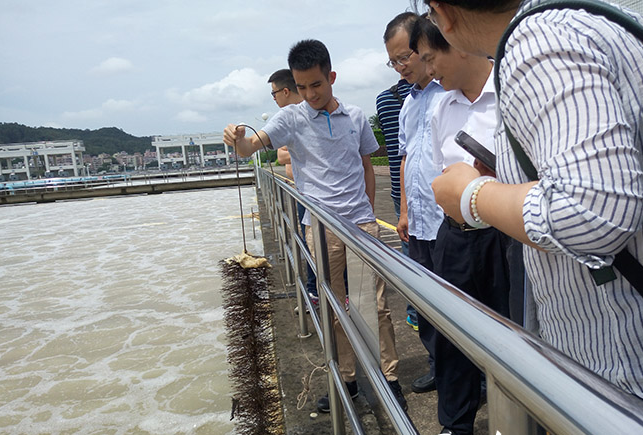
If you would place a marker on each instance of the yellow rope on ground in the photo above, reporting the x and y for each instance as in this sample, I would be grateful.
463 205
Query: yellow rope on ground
302 397
386 224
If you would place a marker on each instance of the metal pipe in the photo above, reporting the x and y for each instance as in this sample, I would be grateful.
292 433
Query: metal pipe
291 213
347 401
537 377
330 345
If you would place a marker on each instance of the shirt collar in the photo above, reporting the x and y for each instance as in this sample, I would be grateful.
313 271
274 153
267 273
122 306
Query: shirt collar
488 88
415 90
313 113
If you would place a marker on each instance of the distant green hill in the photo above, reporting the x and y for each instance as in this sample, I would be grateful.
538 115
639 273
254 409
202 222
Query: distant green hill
108 140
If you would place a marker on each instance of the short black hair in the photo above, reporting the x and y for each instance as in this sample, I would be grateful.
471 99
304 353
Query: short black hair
308 54
495 6
283 79
405 21
425 30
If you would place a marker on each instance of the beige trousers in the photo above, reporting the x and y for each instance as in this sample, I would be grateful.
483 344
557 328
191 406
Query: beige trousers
337 264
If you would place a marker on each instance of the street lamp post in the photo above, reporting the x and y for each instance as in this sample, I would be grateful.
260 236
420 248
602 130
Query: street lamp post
257 159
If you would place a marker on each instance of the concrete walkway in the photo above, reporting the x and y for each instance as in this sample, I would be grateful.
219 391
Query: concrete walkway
302 381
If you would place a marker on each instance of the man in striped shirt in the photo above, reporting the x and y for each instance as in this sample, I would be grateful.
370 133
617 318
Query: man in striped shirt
388 104
571 95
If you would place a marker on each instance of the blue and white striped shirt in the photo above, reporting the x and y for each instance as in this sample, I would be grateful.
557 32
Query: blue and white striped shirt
388 112
572 95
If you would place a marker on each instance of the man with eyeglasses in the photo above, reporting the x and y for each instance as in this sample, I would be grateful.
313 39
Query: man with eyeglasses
284 92
420 216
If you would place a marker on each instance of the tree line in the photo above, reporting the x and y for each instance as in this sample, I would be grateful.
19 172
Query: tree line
109 140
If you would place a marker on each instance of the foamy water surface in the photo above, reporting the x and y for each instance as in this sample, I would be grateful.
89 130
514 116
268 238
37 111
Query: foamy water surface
110 313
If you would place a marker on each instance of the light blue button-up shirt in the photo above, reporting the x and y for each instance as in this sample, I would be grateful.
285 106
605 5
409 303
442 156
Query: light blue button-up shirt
424 215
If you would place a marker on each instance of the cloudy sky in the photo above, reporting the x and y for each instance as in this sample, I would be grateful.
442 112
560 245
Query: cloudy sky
161 67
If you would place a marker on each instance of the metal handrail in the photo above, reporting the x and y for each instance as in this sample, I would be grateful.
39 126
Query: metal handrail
527 379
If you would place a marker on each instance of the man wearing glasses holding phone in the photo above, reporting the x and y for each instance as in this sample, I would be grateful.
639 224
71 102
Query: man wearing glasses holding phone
420 216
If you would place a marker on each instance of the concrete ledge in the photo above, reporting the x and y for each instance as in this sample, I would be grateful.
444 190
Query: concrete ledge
137 189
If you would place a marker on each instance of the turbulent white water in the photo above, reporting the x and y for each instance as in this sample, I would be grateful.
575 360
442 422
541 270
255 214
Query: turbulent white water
110 313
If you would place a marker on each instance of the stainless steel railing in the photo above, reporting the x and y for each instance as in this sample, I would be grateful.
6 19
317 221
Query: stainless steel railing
528 381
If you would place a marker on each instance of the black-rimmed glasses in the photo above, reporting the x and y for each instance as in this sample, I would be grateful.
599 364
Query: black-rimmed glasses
273 93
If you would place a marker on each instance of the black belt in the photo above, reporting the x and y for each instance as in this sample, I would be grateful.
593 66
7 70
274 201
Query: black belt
462 227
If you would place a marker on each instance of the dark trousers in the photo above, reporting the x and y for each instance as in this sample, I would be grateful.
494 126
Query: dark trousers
476 263
420 251
311 283
517 275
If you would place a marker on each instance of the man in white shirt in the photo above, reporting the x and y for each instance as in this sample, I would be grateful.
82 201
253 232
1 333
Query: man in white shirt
473 259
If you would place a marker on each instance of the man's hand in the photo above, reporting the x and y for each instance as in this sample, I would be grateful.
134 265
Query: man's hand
483 169
403 227
235 136
449 186
233 133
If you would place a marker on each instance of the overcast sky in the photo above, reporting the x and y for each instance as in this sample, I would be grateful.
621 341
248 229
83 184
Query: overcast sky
160 67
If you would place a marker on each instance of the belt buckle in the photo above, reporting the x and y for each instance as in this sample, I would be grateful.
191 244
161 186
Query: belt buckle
461 226
466 227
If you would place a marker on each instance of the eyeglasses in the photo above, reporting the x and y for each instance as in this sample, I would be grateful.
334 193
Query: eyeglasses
401 61
273 93
430 16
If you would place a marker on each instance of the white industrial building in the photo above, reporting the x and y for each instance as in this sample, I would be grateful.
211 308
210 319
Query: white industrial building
56 157
201 149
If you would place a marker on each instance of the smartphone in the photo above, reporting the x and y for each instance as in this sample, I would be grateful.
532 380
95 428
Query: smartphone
476 149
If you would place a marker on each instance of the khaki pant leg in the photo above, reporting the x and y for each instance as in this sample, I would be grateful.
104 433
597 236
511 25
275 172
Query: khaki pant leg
337 265
388 353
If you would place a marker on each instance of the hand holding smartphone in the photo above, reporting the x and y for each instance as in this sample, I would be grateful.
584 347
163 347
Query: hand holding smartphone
476 149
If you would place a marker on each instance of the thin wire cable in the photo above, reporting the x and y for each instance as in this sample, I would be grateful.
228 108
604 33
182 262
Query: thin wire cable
243 227
236 161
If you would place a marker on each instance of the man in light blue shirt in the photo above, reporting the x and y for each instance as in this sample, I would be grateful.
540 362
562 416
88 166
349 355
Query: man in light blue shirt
420 217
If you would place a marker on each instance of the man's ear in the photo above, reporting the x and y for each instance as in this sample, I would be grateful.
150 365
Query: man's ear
332 76
446 16
286 92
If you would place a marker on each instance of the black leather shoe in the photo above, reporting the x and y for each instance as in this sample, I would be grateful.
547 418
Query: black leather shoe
424 384
445 431
483 392
397 392
323 404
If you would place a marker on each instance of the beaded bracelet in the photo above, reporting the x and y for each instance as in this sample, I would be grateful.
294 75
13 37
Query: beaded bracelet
468 202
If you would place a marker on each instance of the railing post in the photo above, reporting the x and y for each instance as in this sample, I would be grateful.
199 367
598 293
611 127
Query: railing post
330 345
269 199
278 224
297 259
275 213
505 415
287 240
